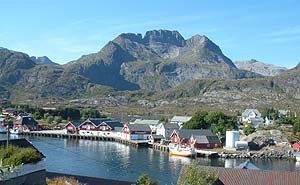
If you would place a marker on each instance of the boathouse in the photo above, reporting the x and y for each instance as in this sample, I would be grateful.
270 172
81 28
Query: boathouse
91 126
197 138
26 123
72 127
136 132
152 123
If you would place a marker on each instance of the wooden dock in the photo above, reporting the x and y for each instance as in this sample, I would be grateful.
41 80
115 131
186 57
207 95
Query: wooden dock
157 146
59 134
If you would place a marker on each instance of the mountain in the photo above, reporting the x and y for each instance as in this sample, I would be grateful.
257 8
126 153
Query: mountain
160 60
260 67
161 70
43 60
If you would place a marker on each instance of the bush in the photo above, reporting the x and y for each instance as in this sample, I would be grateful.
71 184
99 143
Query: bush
193 175
15 156
145 180
62 181
248 129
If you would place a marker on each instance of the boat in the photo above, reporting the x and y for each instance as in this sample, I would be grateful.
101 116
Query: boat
181 150
15 131
3 130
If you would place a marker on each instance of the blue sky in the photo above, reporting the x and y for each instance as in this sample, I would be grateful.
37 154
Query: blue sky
64 30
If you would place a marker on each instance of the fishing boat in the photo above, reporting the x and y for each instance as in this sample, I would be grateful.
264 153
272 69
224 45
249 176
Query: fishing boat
180 150
15 131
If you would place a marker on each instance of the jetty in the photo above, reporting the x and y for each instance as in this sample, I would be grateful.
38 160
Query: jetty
61 134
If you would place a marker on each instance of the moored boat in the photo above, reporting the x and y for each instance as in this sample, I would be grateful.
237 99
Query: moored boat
179 150
15 131
3 130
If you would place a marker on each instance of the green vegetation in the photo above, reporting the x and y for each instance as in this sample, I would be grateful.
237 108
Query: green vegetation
270 112
248 129
217 121
59 114
145 180
194 175
62 181
15 156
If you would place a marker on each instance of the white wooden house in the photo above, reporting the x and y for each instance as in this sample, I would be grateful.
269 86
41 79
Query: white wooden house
166 129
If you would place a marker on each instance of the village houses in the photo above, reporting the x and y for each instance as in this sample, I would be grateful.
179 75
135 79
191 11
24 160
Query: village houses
252 116
200 138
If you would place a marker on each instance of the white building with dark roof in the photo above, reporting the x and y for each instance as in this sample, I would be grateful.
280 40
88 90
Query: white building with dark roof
166 129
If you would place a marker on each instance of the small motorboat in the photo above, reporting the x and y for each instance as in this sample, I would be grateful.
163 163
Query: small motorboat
180 150
15 131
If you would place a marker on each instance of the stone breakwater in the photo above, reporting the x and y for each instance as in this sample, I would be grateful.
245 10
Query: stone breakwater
259 155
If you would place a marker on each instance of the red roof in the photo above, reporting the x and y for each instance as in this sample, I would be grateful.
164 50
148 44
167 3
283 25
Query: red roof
296 146
254 177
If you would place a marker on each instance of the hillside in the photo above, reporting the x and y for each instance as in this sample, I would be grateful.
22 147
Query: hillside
260 67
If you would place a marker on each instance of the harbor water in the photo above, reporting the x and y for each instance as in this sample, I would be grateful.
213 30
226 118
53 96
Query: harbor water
112 160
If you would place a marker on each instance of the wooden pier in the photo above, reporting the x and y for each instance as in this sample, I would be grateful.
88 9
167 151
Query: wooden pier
59 134
157 146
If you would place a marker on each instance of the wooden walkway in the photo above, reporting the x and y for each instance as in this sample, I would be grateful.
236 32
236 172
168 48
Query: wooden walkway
135 143
157 146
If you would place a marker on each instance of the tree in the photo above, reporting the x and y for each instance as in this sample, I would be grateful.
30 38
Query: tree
194 175
197 121
57 119
164 119
145 180
296 127
248 129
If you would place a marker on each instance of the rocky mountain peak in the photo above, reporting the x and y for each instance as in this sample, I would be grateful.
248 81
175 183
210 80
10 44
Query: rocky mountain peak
164 36
43 60
203 42
132 36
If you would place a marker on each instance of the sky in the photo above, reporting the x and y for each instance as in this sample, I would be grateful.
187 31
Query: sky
64 30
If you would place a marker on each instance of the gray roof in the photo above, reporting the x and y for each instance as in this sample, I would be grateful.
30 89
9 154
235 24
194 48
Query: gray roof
187 133
118 129
139 127
248 111
113 124
98 121
158 137
76 123
181 118
171 126
146 121
207 139
28 121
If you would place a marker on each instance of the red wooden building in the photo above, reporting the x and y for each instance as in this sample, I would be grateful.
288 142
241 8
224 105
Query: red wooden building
200 138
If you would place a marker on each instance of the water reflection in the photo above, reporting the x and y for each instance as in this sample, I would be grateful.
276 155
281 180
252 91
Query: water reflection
180 160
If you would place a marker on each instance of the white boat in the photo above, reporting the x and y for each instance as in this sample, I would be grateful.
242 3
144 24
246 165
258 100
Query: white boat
3 130
15 131
181 150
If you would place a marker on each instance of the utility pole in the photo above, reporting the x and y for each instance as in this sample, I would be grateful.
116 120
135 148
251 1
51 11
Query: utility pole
7 139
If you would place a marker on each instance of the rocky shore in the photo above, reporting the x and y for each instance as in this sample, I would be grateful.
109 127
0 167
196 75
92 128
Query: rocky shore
259 155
